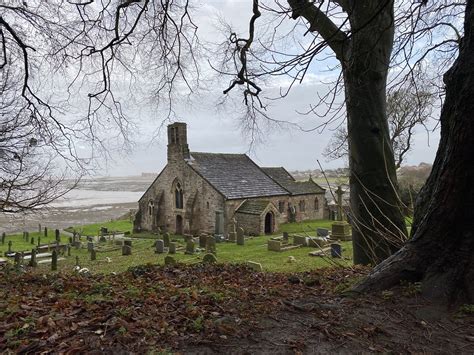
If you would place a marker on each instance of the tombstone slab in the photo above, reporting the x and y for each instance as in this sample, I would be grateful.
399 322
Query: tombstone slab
172 248
240 236
274 245
211 244
126 250
300 240
159 246
190 247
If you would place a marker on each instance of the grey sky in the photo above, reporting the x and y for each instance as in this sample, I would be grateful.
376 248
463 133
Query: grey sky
212 130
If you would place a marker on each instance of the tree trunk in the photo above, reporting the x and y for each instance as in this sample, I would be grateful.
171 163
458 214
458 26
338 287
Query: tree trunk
378 227
441 251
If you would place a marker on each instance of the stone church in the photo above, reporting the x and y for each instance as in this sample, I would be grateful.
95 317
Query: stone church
185 196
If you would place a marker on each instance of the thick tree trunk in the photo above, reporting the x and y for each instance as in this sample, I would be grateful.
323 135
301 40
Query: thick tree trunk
441 251
378 226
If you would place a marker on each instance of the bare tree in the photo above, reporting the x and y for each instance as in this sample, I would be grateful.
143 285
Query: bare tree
440 253
90 50
407 109
356 39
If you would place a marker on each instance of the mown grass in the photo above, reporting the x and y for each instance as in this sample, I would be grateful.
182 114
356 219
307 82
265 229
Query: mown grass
124 225
19 244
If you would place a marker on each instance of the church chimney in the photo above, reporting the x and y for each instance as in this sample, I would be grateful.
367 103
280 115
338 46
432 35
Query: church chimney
177 142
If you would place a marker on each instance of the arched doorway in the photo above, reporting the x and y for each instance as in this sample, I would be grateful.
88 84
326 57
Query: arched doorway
269 223
179 224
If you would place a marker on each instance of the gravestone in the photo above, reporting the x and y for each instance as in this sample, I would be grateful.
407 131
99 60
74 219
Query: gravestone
169 260
127 243
317 242
57 235
322 232
166 240
202 240
39 240
93 255
54 261
32 241
232 236
45 231
340 230
159 246
286 236
336 250
255 266
209 259
274 245
90 246
10 246
240 236
190 247
102 239
3 238
33 262
172 248
219 224
300 240
126 250
17 261
211 244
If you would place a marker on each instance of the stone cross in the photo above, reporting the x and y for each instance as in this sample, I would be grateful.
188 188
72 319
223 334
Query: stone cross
172 248
240 236
339 194
166 240
160 246
54 261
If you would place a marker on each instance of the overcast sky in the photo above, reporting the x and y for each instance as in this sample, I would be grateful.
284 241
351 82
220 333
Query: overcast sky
213 130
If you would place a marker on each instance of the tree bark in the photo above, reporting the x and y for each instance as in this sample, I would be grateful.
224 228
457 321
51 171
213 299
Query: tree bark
440 253
378 227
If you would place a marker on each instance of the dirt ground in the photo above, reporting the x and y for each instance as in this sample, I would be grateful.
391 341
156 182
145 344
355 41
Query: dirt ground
224 309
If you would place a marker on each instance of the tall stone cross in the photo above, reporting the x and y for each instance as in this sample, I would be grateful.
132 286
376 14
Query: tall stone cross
339 194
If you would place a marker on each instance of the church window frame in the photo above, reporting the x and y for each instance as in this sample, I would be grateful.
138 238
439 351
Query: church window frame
151 208
316 204
281 206
178 196
302 205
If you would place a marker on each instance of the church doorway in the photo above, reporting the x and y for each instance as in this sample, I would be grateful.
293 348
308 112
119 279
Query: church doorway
179 225
269 223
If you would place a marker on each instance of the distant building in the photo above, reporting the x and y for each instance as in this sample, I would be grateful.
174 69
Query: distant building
192 186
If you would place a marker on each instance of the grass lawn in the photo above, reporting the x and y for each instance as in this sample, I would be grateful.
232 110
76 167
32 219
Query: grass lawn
255 249
308 227
93 229
19 244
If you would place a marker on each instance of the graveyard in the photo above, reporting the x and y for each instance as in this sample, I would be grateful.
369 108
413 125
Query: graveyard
108 251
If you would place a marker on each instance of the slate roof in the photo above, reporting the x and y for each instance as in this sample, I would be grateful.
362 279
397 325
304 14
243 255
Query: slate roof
284 179
234 175
255 207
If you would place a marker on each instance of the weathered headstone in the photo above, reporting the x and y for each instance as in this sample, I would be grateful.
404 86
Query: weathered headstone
190 247
45 231
274 245
240 236
3 238
90 246
39 240
255 266
322 232
211 244
300 240
232 236
202 240
126 250
10 246
166 240
54 260
209 259
17 261
336 250
160 246
57 235
33 262
128 243
32 241
102 239
93 255
172 248
286 236
169 260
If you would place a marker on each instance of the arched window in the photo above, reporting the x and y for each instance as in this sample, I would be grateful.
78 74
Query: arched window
316 204
178 196
302 206
207 204
151 208
281 206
